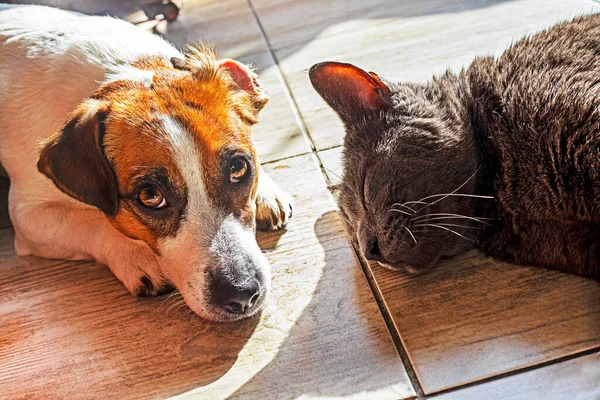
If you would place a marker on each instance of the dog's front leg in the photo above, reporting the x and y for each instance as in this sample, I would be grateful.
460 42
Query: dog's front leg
63 232
274 207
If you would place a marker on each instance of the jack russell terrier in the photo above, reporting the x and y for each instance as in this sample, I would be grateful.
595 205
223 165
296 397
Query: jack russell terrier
121 149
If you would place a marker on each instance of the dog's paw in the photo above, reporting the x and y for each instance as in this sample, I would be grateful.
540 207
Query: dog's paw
139 270
274 207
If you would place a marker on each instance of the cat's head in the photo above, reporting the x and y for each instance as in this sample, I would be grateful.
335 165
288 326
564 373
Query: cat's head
406 159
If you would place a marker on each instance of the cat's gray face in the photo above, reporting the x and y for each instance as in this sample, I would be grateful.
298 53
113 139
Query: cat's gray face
403 164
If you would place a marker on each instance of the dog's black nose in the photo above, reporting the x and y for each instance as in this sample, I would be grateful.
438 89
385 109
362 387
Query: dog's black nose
372 250
236 297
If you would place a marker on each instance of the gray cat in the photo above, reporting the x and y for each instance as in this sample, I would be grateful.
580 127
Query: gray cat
504 156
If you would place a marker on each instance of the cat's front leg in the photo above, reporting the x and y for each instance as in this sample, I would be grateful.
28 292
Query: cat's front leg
274 207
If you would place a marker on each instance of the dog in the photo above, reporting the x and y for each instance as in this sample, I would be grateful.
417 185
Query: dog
122 149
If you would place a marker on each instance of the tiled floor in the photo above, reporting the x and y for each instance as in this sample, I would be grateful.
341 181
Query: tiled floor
472 329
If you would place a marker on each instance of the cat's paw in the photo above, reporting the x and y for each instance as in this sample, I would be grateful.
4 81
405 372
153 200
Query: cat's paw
139 270
274 207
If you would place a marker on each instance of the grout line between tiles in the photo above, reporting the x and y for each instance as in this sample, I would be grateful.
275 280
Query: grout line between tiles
285 158
518 371
393 332
337 145
315 154
288 94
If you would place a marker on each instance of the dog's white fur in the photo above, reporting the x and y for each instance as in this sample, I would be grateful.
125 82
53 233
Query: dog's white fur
51 60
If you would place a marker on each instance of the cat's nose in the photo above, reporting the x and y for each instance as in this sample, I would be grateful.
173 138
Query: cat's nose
372 250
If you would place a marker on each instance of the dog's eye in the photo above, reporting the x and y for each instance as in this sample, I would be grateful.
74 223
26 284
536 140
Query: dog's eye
238 169
150 197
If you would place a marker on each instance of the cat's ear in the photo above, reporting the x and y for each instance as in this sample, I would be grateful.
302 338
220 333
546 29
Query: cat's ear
349 90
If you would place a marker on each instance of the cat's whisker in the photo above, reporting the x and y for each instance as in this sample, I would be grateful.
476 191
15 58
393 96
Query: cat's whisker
335 175
415 202
454 191
452 215
459 195
454 225
445 220
438 216
449 230
400 211
411 234
403 205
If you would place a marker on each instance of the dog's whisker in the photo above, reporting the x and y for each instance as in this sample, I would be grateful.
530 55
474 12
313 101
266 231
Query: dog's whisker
173 297
176 305
182 306
168 310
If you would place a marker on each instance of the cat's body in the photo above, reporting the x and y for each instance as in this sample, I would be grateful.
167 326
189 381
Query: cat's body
537 112
514 142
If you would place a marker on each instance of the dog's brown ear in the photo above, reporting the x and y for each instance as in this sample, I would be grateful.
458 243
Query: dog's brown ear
74 159
247 80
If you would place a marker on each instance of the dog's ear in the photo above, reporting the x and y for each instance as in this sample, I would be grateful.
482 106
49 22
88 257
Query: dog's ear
74 159
246 79
349 90
201 59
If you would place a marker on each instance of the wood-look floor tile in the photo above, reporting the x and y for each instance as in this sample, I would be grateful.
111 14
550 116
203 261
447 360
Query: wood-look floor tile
473 318
332 162
574 379
413 48
70 330
227 25
280 18
278 134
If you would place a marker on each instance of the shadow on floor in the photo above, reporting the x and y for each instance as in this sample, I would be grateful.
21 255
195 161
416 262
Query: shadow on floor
342 321
79 316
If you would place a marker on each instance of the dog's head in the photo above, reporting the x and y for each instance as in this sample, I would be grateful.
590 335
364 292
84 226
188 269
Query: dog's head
165 151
